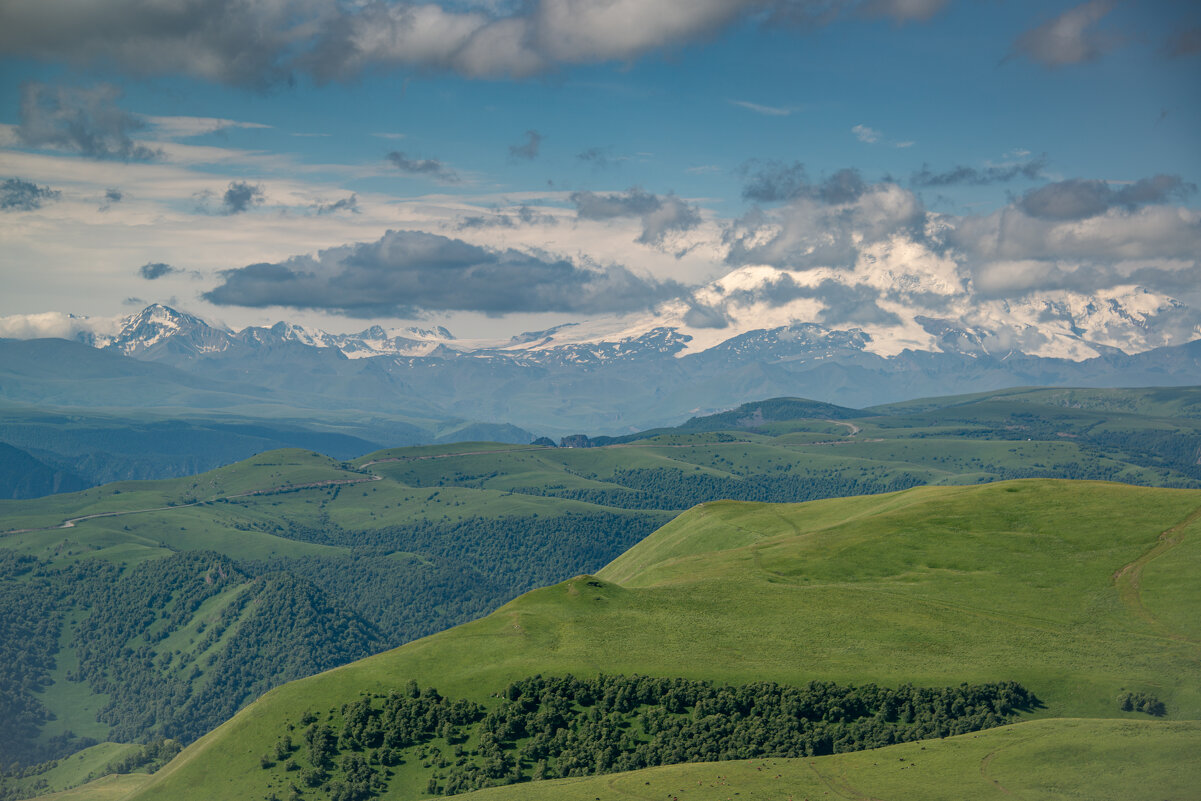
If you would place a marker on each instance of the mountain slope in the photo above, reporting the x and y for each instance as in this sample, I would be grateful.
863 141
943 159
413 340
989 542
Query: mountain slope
933 586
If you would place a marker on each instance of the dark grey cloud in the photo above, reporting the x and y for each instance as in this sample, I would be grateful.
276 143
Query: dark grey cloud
524 215
1070 38
269 43
18 195
349 204
661 215
406 273
1079 199
112 196
241 196
431 168
156 270
700 315
86 121
776 182
977 176
528 150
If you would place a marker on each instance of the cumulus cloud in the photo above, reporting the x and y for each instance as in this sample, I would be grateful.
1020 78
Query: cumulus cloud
1078 199
241 196
18 195
1085 236
431 168
527 150
406 273
661 215
1070 38
85 121
979 176
840 303
824 225
155 270
265 43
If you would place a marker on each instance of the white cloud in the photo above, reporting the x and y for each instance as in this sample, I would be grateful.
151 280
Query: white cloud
53 325
770 111
866 134
185 127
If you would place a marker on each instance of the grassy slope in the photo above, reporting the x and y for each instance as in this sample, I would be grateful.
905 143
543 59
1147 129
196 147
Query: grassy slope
1045 759
447 483
932 586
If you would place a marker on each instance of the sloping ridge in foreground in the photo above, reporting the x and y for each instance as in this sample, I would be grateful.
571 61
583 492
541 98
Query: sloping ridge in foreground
1042 582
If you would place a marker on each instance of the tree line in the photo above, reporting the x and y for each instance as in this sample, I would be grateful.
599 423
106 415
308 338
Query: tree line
551 727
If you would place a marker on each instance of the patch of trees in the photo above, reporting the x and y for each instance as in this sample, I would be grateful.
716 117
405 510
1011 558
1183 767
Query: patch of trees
515 553
276 628
667 488
1142 702
35 598
567 726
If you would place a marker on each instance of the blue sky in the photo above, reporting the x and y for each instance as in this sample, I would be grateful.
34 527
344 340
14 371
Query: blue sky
689 103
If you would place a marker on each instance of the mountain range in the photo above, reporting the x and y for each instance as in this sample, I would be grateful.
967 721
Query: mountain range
756 332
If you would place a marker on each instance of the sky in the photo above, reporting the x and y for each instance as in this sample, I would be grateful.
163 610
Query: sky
496 167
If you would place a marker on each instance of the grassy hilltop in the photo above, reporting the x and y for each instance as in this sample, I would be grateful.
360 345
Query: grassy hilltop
1080 591
149 609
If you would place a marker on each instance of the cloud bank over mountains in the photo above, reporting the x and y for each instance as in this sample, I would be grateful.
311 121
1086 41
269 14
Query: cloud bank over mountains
407 273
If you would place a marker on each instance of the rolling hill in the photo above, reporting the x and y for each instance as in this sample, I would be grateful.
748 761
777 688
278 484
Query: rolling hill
405 542
1078 591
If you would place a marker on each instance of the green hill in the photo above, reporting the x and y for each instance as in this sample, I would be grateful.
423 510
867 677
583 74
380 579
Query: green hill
409 541
1080 592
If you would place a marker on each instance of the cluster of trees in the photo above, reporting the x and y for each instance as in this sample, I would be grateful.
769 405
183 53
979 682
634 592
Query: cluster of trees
1142 702
415 579
149 758
277 627
569 726
669 488
35 598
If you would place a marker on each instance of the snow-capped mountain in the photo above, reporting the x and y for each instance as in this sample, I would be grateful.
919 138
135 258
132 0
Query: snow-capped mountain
854 340
884 313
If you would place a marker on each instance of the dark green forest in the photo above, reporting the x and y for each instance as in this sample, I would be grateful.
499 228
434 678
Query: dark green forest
553 727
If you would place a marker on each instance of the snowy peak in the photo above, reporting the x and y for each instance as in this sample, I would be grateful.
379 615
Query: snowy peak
159 328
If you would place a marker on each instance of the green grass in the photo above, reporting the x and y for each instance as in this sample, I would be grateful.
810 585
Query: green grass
932 586
77 768
106 788
1098 760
